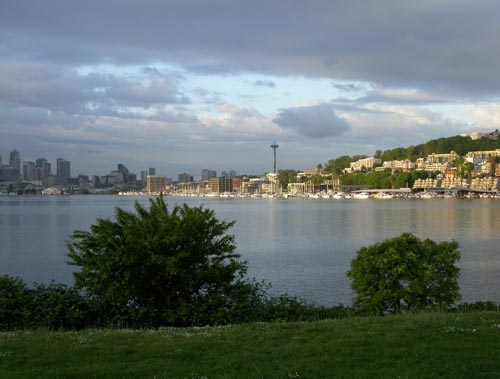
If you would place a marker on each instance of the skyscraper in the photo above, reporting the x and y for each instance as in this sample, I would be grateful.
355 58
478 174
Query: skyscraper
42 168
152 171
207 174
125 172
29 171
63 171
15 161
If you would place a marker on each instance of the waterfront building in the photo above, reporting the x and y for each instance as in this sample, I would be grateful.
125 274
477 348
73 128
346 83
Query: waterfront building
489 183
155 184
296 188
425 183
221 185
63 171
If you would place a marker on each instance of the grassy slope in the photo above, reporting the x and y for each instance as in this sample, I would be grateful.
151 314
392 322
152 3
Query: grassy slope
425 345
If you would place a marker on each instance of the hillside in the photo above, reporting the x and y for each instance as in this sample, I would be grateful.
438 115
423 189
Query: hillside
459 144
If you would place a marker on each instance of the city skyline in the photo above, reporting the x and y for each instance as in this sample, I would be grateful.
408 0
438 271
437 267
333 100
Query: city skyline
177 84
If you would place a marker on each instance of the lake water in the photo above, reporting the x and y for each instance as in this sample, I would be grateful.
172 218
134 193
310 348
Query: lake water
301 247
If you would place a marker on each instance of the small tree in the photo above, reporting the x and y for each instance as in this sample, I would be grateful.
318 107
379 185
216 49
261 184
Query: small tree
157 267
405 273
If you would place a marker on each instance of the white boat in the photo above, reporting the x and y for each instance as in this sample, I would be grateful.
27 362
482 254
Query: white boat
384 196
361 195
338 195
427 195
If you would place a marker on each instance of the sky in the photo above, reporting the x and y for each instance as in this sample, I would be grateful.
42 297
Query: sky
193 84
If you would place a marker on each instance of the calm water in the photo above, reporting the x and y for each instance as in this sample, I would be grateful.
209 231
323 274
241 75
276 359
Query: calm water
302 247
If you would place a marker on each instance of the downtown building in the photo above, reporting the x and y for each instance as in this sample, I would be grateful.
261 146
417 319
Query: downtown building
156 184
63 171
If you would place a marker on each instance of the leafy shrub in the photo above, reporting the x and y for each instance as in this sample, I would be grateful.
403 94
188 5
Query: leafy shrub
14 303
57 306
156 267
405 273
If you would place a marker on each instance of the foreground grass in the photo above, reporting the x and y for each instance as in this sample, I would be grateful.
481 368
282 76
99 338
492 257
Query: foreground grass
424 345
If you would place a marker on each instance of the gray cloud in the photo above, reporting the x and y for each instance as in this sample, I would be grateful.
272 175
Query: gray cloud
65 71
447 45
347 87
51 88
265 83
317 121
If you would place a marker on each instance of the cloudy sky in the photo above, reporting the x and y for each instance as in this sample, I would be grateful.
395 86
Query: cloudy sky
192 84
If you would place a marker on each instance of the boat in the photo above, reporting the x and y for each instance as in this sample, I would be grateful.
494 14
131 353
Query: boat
427 195
338 195
361 195
384 195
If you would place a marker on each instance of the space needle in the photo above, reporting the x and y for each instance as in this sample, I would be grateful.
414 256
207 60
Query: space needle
274 146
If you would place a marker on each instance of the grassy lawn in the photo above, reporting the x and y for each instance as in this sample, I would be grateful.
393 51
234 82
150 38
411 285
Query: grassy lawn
424 345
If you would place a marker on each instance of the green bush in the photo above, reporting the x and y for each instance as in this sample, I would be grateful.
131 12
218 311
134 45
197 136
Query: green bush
159 267
405 273
58 306
14 303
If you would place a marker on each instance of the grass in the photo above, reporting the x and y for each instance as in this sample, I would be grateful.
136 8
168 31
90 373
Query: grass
422 345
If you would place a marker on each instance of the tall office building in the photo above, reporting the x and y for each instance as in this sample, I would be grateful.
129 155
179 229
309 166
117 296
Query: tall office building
144 175
152 171
43 168
207 174
29 171
15 161
63 171
125 172
185 178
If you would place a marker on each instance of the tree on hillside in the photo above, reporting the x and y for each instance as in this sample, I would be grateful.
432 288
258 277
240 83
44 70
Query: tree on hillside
156 267
405 273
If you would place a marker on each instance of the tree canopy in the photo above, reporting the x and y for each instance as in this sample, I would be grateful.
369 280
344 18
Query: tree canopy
159 267
405 273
